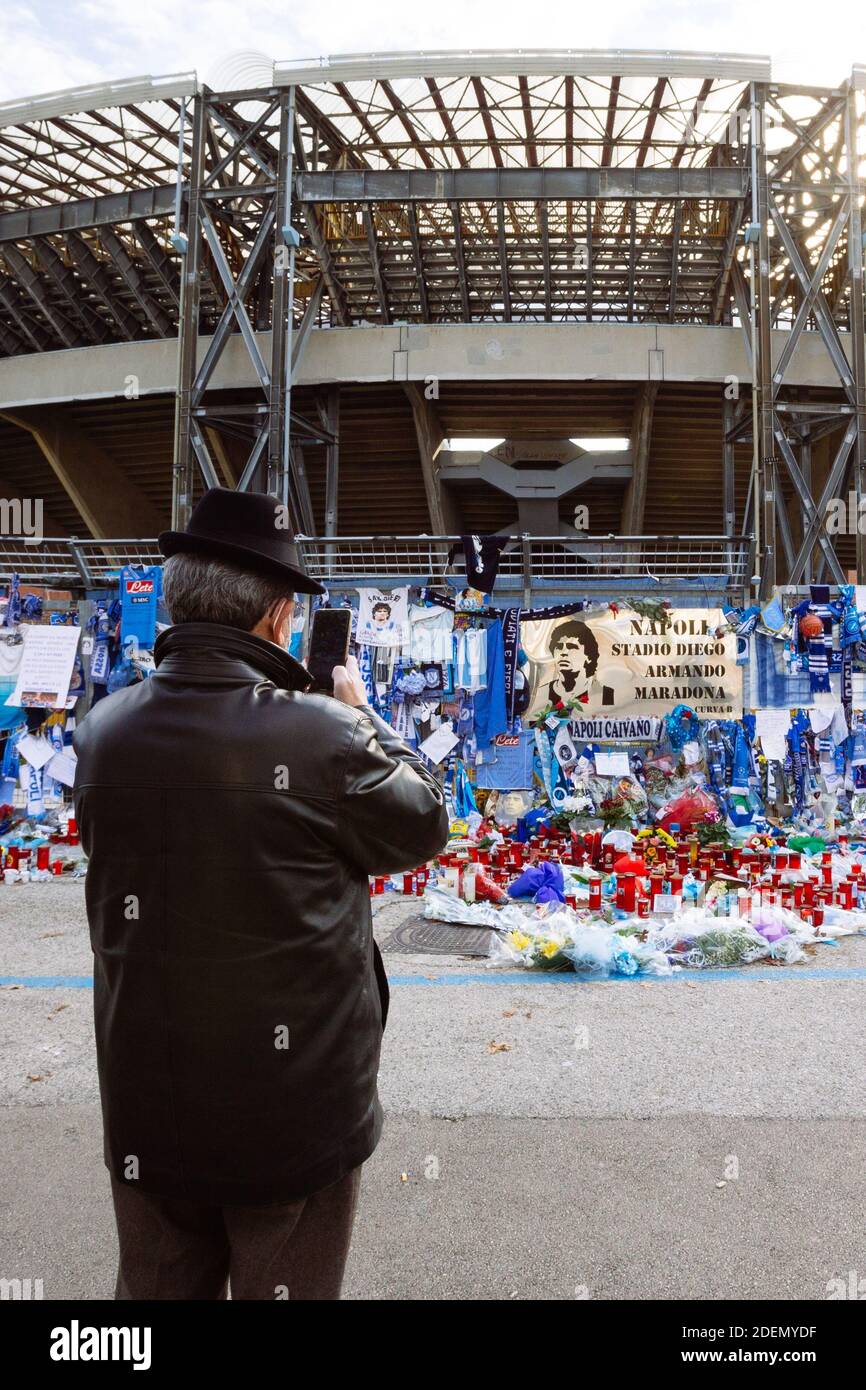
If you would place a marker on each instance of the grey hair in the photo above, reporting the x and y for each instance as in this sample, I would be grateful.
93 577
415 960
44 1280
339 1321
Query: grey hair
201 589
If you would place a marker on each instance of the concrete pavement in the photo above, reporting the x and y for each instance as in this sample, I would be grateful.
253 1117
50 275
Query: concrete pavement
700 1137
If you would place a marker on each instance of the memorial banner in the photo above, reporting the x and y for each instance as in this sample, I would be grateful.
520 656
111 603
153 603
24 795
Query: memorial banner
626 667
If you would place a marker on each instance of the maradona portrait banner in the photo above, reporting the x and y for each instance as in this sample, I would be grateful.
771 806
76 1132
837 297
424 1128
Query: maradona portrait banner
627 666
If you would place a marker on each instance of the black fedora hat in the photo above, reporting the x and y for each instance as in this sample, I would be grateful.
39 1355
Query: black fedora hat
247 528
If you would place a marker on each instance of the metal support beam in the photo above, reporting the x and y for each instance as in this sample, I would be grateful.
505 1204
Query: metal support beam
135 282
814 530
806 471
301 490
857 318
336 293
36 336
675 262
762 374
187 346
32 284
228 472
95 274
735 217
589 266
744 307
216 201
813 301
489 185
545 262
301 334
417 258
376 266
810 515
503 262
632 261
277 478
63 277
160 261
109 210
460 255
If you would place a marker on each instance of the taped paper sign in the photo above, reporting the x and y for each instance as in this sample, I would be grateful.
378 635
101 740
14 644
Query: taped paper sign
612 764
439 743
37 751
62 768
46 666
772 727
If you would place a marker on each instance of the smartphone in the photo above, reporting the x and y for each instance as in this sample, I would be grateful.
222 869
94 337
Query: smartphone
329 646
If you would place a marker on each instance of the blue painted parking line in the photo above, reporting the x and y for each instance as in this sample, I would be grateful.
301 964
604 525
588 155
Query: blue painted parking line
48 981
780 974
527 977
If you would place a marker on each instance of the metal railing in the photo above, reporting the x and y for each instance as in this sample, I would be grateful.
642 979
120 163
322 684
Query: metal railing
670 560
73 563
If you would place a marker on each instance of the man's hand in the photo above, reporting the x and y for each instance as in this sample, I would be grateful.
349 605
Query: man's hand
348 684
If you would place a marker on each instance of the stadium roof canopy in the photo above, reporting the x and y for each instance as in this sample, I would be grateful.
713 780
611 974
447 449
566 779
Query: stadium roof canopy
608 196
430 187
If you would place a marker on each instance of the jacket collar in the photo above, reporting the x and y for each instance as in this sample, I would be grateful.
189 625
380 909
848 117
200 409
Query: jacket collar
213 639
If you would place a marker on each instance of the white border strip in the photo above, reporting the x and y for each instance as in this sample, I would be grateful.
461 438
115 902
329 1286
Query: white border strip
76 100
544 62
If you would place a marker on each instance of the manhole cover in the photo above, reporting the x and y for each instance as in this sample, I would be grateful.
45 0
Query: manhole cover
422 938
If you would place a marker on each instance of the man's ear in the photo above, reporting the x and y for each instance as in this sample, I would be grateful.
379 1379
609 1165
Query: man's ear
280 620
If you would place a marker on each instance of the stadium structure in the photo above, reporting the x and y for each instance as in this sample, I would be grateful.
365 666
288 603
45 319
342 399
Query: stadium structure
609 304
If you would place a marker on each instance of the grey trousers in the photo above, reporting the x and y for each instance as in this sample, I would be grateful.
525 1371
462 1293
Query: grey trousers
172 1249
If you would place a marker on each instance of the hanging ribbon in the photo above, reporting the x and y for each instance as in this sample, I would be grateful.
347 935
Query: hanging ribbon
559 610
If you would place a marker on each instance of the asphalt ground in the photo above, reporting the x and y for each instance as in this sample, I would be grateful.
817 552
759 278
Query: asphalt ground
546 1137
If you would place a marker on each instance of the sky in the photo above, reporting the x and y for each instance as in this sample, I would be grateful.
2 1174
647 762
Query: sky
49 45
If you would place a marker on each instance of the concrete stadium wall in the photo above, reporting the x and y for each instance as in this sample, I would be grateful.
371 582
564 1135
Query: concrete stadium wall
450 352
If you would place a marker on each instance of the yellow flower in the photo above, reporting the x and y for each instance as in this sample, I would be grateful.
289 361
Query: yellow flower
519 940
550 948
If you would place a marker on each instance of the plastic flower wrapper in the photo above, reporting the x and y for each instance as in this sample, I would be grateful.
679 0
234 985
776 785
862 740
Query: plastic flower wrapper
708 941
535 943
726 944
651 960
773 923
839 921
581 803
599 952
691 807
559 940
440 906
787 950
